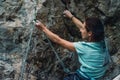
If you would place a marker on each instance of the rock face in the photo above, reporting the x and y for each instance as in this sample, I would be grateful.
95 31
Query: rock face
26 50
6 71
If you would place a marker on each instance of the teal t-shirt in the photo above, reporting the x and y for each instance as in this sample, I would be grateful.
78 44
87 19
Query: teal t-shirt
92 56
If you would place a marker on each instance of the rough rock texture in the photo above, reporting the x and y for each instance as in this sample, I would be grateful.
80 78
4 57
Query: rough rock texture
6 71
22 44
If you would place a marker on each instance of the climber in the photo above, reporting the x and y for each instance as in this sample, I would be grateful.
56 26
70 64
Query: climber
91 51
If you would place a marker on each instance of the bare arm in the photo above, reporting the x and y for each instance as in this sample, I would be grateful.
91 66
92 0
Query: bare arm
55 38
76 21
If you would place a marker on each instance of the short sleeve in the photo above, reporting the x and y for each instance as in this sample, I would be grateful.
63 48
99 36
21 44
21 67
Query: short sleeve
79 47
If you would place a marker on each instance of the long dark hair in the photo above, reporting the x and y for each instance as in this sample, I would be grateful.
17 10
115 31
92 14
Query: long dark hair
95 25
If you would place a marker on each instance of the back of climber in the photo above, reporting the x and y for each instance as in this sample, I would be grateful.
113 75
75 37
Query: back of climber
91 51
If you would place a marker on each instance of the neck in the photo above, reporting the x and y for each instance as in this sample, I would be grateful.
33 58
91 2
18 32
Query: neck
90 40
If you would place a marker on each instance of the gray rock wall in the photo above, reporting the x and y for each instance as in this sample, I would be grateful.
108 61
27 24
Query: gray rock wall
19 39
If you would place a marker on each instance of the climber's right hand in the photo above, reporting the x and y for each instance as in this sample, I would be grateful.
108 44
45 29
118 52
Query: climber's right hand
68 14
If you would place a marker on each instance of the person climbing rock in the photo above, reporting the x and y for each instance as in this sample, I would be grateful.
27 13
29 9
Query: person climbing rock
92 52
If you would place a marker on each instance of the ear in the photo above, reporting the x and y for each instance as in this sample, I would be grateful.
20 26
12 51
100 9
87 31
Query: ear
90 33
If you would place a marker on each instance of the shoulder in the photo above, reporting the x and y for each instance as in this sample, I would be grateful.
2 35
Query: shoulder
84 46
79 46
83 43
